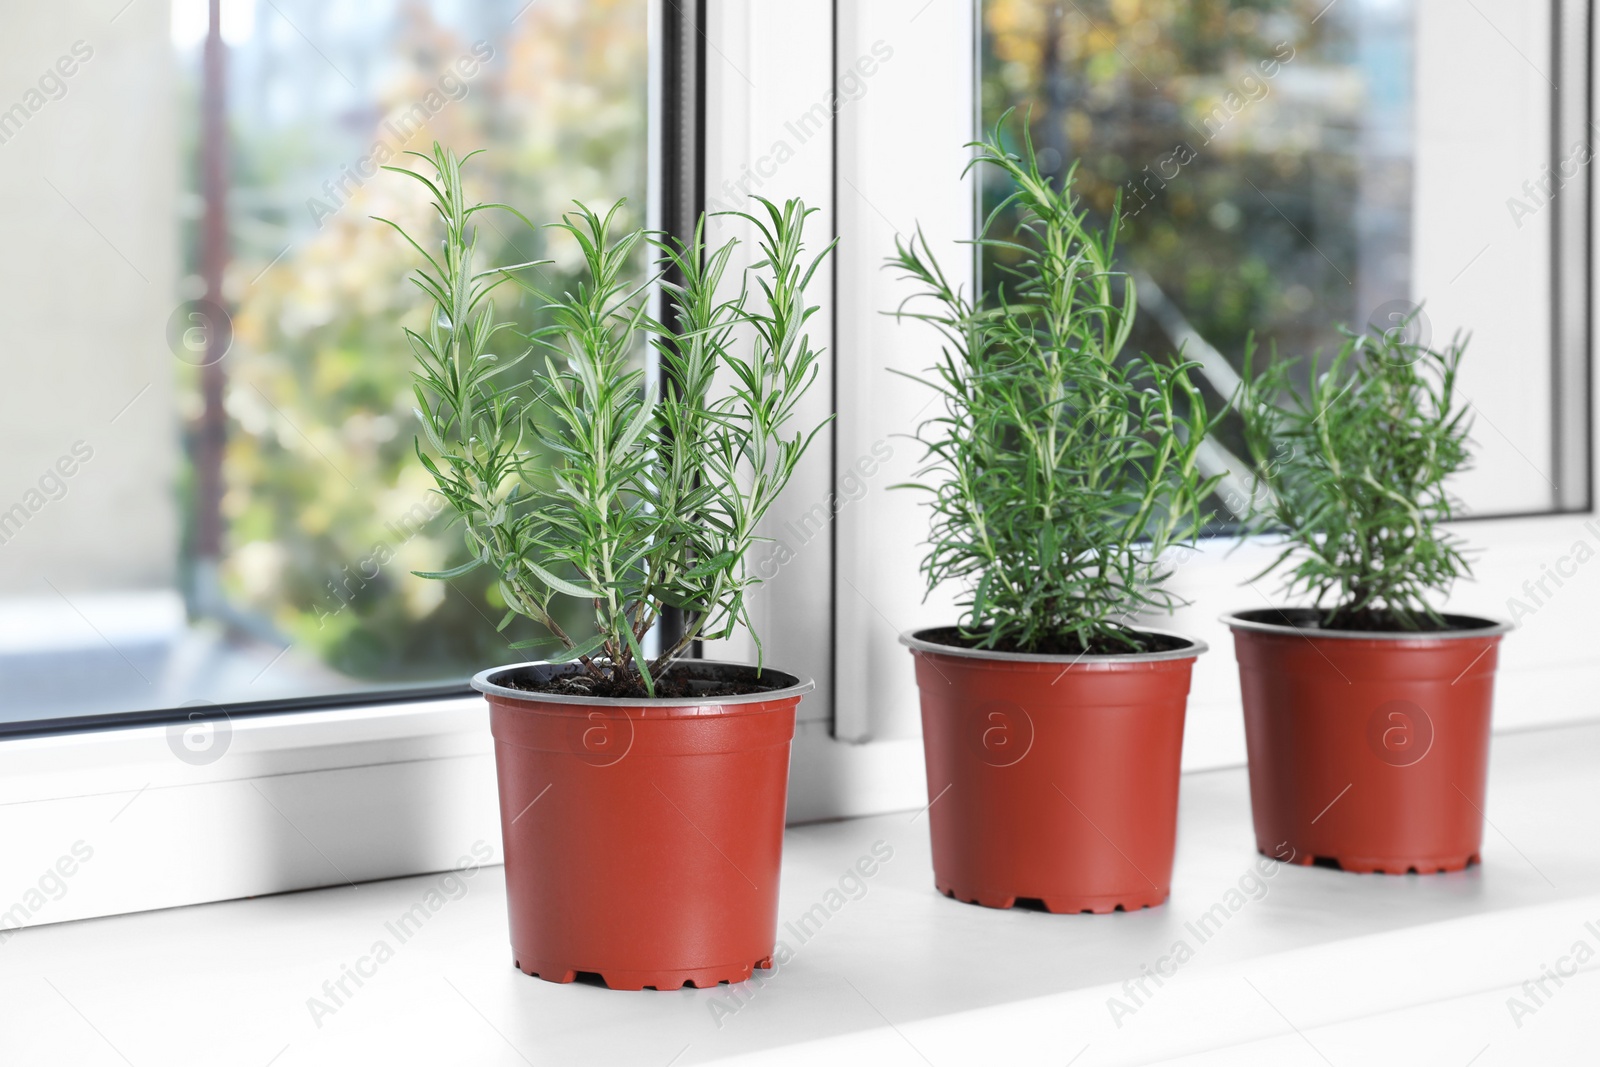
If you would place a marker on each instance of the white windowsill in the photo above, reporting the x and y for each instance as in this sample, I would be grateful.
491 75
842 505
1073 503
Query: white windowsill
119 760
1324 964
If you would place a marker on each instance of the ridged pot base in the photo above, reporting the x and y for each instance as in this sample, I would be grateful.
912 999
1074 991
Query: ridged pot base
1388 865
699 977
1074 904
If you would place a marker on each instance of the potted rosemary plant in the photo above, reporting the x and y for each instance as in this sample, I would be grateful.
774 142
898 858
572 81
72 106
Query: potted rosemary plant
642 797
1367 713
1060 472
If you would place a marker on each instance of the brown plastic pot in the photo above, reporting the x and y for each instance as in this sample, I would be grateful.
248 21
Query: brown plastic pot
1368 751
1052 778
643 837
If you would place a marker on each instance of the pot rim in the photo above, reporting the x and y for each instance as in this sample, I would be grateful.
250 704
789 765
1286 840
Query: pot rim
1196 647
484 683
1236 620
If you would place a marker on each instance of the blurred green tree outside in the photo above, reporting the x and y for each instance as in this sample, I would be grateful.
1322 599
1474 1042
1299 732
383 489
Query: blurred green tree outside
327 510
1261 150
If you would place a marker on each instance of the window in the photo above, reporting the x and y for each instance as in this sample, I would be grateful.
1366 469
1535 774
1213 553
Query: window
1383 160
1282 170
1288 164
209 492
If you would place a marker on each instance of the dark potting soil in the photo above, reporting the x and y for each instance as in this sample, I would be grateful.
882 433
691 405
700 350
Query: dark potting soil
1068 645
677 684
1379 621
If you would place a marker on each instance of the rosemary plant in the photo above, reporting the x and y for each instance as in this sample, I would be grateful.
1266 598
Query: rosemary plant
1352 470
1059 471
638 498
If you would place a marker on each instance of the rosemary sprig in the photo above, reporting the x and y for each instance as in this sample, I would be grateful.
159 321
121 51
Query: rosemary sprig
638 498
1059 471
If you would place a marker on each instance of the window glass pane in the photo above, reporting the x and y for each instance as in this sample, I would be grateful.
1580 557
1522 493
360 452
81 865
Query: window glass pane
208 486
1285 167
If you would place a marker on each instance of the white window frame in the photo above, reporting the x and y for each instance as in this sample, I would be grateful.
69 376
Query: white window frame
885 158
322 797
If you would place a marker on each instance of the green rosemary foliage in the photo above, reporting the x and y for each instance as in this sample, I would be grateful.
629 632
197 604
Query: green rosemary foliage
1353 470
652 497
1058 472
